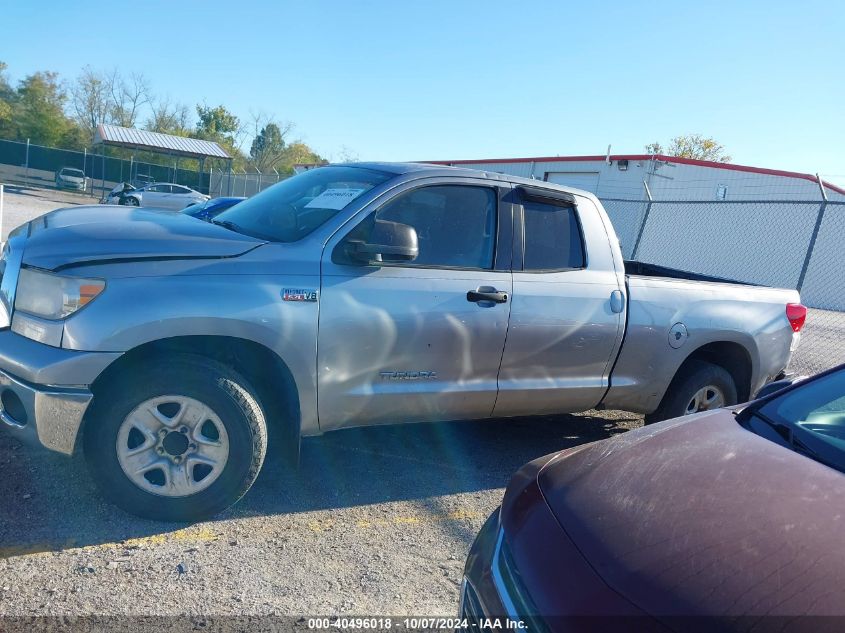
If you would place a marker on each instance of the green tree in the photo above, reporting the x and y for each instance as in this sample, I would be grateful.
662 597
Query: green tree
217 124
298 153
692 146
7 99
268 147
39 111
221 126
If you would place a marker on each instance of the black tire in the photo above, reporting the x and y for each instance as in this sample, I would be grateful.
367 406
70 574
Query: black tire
130 202
693 376
217 386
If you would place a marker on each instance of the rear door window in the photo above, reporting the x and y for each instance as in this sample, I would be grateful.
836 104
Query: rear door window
552 237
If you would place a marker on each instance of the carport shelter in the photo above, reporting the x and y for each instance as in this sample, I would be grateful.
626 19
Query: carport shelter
165 144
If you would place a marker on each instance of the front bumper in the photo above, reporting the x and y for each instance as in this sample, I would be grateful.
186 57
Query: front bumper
44 391
524 568
479 596
47 416
67 184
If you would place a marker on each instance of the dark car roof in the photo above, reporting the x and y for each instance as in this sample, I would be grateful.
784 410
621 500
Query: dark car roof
699 516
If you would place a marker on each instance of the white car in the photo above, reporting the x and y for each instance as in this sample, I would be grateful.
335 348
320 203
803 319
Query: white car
163 195
70 178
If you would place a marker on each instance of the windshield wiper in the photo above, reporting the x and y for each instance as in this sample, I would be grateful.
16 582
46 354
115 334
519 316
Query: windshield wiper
788 432
228 224
237 228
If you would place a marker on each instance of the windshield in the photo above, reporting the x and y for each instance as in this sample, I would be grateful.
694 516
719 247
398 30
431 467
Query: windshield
295 207
76 173
812 418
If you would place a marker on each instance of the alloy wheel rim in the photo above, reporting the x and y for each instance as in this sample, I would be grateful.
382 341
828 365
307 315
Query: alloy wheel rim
707 398
172 446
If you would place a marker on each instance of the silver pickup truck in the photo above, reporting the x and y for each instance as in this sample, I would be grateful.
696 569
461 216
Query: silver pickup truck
168 349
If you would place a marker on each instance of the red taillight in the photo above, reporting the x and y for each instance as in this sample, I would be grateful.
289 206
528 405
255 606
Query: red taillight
797 314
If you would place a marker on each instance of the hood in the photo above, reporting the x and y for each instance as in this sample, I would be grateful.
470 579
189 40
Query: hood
100 233
119 189
699 516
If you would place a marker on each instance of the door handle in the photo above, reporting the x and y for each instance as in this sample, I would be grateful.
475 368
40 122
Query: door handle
487 293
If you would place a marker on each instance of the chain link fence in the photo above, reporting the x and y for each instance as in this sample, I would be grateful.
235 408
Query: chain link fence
787 244
36 165
243 183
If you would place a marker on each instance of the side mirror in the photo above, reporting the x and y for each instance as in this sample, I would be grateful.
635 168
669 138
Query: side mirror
388 242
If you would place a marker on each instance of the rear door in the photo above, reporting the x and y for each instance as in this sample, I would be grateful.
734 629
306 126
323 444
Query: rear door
413 341
567 314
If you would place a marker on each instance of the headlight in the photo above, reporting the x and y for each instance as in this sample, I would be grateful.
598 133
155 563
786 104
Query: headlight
54 296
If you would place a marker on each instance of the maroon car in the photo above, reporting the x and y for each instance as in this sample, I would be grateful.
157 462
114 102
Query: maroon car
732 519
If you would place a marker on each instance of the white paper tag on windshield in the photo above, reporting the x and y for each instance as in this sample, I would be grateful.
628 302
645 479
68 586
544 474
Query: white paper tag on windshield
334 199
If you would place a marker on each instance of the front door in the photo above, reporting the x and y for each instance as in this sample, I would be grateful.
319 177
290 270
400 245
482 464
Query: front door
419 340
156 196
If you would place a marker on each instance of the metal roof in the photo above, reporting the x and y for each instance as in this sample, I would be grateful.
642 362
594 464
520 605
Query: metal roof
157 142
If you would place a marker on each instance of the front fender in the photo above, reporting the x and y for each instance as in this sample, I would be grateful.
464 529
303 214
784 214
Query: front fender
138 310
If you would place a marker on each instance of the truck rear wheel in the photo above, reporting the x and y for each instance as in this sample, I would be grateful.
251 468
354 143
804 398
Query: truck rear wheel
698 386
179 440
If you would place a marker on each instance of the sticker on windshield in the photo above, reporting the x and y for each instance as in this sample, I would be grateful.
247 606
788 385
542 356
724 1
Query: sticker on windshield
334 199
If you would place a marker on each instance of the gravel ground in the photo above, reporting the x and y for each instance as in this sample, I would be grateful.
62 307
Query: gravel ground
375 520
822 343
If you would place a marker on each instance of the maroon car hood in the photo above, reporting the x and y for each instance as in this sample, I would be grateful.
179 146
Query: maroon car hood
702 517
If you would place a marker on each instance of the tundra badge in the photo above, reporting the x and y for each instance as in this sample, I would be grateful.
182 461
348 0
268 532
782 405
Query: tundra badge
408 375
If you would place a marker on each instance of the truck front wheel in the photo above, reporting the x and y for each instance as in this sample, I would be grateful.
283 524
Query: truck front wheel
698 386
179 440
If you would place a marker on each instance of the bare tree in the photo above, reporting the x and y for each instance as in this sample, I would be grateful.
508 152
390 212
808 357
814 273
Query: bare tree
98 97
347 155
129 96
169 117
90 98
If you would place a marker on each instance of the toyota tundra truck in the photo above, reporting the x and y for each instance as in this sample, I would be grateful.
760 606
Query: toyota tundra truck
167 349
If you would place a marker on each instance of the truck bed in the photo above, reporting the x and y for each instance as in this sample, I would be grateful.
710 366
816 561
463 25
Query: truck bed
644 269
671 314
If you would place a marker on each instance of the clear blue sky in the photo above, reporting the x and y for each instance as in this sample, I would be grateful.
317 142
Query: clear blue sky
448 80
